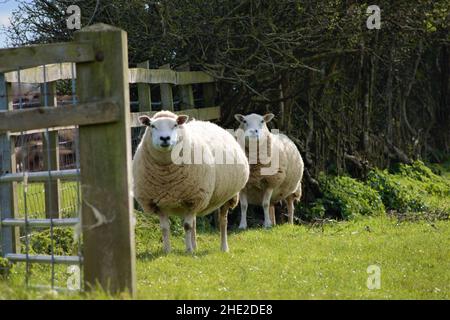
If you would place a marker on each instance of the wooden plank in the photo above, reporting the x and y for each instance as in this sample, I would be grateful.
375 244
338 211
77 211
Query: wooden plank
152 76
81 114
105 149
9 237
212 113
53 72
186 92
192 77
156 76
51 155
144 92
36 55
166 93
15 134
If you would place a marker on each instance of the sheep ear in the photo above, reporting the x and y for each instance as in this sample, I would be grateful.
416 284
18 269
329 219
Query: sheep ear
268 117
145 120
182 119
239 117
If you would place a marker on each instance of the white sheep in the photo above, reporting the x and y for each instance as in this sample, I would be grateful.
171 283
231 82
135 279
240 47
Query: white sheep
172 178
276 169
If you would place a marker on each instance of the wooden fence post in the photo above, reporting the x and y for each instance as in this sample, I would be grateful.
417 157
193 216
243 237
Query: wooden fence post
144 91
166 93
105 160
9 236
186 92
52 188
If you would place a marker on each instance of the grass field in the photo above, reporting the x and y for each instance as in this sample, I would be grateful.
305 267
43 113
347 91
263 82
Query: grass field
293 262
329 260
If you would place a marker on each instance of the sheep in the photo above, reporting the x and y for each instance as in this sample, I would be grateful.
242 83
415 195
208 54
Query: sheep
166 184
278 153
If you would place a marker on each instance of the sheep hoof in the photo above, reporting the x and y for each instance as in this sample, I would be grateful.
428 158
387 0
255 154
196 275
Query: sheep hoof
225 249
267 225
242 226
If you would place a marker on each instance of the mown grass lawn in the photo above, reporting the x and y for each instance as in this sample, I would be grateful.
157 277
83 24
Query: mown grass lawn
292 262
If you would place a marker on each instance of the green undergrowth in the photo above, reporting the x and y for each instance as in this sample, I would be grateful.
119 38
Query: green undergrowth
414 189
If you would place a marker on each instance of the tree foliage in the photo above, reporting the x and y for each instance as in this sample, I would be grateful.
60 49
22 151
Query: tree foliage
351 98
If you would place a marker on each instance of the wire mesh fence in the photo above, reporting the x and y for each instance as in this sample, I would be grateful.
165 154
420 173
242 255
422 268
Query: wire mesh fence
45 151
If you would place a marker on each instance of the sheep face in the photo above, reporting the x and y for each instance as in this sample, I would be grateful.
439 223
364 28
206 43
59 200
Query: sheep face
164 131
254 125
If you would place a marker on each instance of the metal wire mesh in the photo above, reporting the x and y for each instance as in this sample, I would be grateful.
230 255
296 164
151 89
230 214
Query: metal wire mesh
33 153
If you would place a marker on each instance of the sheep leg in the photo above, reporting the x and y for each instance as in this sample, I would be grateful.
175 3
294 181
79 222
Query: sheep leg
290 207
244 206
165 228
194 234
272 214
188 226
223 227
266 205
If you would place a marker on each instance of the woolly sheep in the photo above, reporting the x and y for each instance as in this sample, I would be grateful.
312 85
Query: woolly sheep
277 153
169 179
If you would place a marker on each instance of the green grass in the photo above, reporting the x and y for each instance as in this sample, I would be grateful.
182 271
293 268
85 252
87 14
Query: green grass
294 262
35 203
321 261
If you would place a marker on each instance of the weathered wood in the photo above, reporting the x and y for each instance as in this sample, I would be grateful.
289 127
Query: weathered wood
63 71
166 93
9 236
212 113
81 114
36 55
109 253
144 92
51 155
14 134
156 76
186 92
192 77
53 72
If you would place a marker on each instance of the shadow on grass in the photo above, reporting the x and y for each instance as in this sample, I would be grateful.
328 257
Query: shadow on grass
150 256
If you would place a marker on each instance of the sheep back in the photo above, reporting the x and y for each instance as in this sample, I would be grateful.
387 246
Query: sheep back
285 181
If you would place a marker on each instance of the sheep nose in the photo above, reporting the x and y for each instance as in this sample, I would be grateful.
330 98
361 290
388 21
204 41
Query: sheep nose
164 139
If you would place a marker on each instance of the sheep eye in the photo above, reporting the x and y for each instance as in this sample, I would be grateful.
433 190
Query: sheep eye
262 121
175 126
152 126
245 121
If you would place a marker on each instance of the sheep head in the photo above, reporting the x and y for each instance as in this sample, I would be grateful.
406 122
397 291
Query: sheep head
163 128
254 125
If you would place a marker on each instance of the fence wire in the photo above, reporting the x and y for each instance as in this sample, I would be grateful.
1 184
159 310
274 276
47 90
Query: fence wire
33 153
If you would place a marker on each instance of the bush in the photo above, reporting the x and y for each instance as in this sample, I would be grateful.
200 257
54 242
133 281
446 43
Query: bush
63 242
346 198
396 195
5 267
431 182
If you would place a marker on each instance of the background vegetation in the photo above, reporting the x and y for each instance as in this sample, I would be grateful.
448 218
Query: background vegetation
351 98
